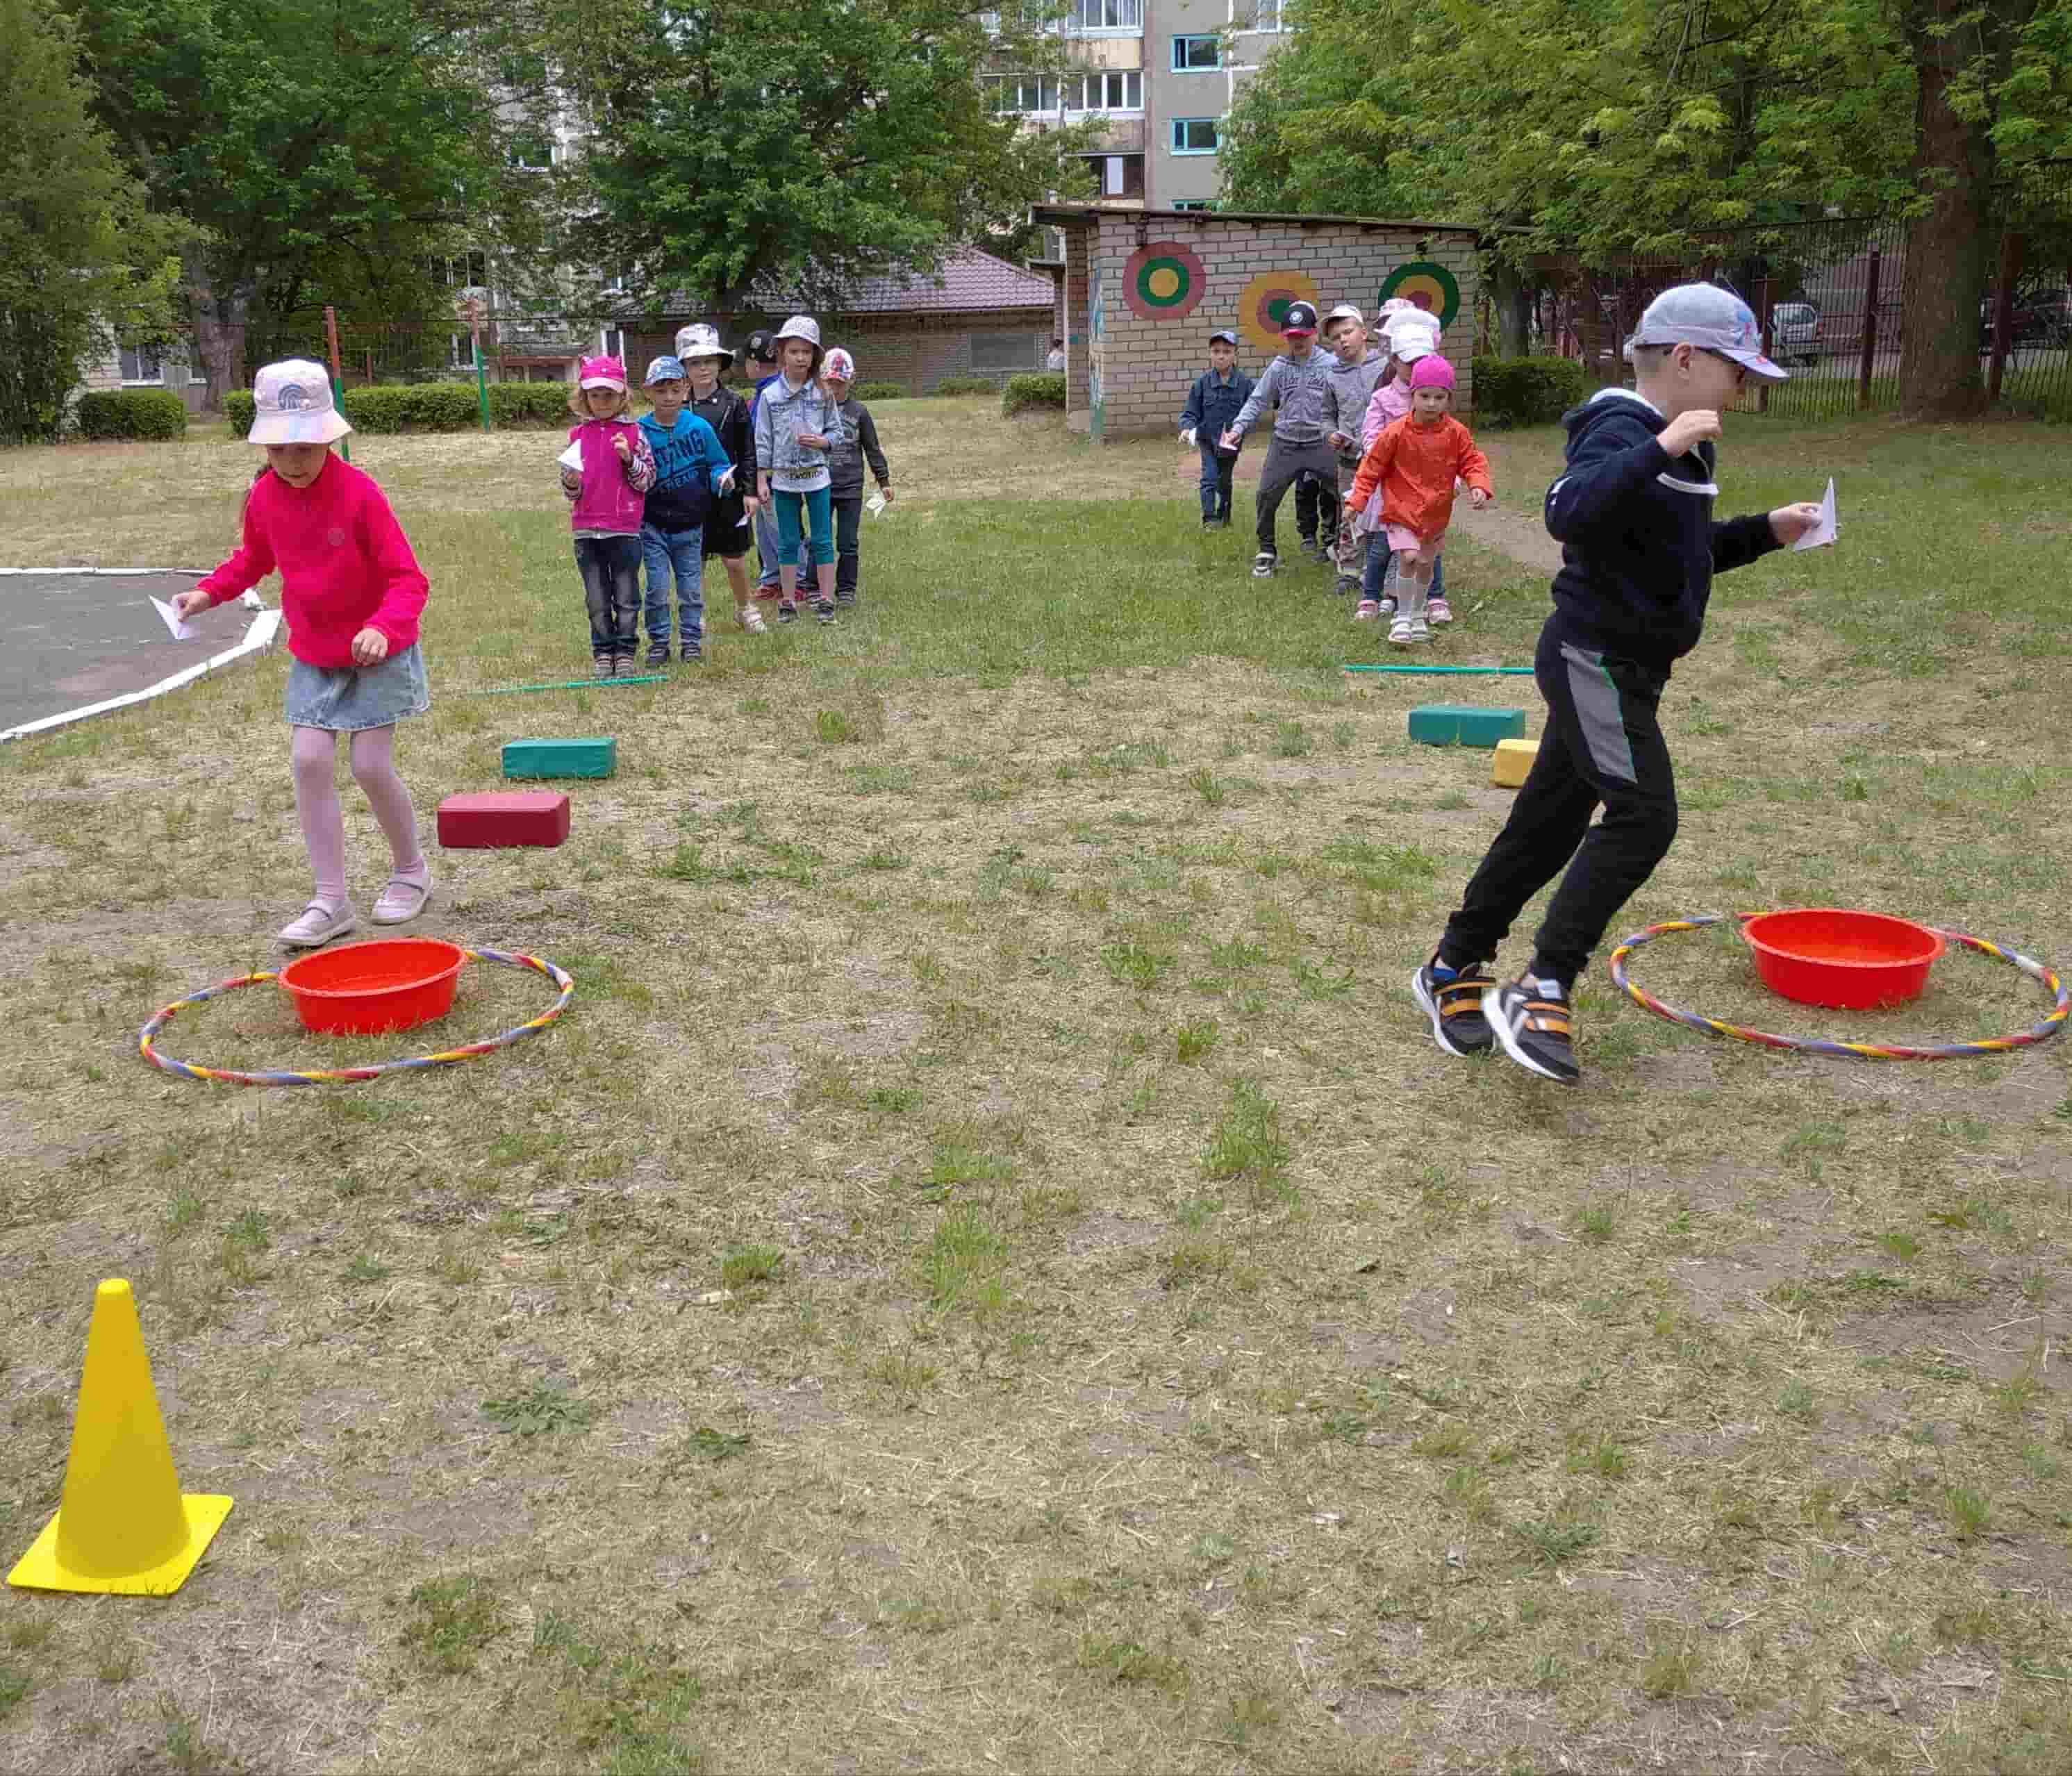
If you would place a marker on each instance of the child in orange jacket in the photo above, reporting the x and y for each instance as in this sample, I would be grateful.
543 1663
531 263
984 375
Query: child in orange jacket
1414 463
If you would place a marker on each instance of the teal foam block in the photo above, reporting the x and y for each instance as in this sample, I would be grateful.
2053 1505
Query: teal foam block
561 757
1464 724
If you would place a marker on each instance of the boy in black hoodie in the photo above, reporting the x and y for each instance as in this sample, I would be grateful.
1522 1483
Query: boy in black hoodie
1632 510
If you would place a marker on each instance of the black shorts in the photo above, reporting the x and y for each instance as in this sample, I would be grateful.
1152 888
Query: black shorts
726 534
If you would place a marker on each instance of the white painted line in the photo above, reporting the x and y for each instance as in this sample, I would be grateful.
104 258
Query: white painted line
260 635
198 573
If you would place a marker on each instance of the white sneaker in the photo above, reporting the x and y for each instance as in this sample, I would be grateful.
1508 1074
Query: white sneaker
751 619
1263 565
1420 629
402 900
319 923
1399 632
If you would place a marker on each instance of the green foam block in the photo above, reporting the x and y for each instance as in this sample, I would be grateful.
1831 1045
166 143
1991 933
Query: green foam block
562 757
1464 724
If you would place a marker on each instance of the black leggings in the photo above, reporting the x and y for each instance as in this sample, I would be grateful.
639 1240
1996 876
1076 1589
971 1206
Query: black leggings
1603 744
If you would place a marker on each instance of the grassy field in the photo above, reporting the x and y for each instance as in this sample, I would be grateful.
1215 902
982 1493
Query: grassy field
992 1272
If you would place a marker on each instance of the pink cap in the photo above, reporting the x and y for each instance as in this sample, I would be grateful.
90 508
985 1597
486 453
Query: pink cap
602 373
839 364
1432 373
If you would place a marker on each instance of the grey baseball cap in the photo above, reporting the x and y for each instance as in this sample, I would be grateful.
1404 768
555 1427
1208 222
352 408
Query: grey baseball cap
1711 319
1226 335
1345 311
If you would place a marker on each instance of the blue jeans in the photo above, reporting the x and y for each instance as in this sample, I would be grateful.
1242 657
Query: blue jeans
1380 557
610 570
684 551
1217 468
813 512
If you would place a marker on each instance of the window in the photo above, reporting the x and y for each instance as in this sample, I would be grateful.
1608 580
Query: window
1004 351
1118 176
611 343
143 364
1266 15
1191 203
532 153
1194 135
1117 92
1100 18
1024 93
1196 55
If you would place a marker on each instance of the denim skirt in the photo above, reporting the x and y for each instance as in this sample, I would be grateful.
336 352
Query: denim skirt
345 699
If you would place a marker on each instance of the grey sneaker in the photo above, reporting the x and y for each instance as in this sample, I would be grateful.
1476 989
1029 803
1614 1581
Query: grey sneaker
824 610
658 654
694 653
317 925
1263 563
402 900
1532 1021
1453 1002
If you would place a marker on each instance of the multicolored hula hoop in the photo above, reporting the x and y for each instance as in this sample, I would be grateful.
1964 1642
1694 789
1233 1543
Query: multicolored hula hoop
2041 972
329 1075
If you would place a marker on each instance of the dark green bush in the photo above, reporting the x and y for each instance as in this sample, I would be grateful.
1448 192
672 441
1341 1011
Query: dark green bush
153 414
520 406
1526 391
237 408
966 385
880 391
1037 388
414 407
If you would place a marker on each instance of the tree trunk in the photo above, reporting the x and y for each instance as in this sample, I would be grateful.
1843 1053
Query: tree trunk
1514 309
1946 247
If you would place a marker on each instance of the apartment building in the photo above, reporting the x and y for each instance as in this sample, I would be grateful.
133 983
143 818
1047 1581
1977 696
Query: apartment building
1157 76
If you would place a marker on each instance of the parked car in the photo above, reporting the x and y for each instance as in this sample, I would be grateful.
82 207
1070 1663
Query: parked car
2041 316
1795 332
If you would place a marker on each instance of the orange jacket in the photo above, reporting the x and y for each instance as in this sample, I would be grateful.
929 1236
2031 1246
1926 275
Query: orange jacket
1414 466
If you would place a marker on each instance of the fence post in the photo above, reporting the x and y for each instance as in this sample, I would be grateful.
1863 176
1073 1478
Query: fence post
1764 308
337 375
1870 333
2012 245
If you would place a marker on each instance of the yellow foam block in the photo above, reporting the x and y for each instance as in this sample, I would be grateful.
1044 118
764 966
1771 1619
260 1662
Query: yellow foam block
1514 759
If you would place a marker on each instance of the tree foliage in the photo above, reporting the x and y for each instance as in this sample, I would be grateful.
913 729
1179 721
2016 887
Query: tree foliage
81 259
849 138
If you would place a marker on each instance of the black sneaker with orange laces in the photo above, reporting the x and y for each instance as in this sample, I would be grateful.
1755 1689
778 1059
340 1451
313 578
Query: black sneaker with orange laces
1452 1000
1533 1024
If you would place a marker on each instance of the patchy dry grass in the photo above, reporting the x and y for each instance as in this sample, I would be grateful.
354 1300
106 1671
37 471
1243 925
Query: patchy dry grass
992 1270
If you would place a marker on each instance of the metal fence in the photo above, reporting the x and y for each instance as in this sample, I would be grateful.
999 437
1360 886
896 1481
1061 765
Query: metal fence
1830 296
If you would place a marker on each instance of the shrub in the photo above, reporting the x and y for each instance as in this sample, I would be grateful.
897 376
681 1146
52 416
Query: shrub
155 413
523 405
881 391
238 407
419 407
1037 388
1526 391
966 385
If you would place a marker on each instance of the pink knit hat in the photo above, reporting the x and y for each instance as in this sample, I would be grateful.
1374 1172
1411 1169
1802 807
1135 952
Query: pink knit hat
1432 373
602 373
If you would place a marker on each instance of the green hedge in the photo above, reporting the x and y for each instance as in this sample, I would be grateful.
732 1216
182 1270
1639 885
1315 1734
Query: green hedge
1038 389
880 391
966 385
435 407
1526 391
155 413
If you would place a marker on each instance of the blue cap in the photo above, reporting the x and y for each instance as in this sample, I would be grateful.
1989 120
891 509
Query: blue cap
664 368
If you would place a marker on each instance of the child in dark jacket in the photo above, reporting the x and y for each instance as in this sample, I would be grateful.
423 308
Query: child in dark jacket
727 531
849 447
1632 511
1218 394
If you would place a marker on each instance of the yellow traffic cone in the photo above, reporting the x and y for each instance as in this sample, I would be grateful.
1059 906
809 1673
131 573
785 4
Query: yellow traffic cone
122 1524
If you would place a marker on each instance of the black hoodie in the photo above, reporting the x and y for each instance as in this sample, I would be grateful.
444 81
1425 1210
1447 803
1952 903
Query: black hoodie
1639 544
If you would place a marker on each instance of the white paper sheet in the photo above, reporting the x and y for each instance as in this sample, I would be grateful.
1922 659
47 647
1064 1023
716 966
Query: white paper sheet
1826 530
181 631
726 481
572 457
874 505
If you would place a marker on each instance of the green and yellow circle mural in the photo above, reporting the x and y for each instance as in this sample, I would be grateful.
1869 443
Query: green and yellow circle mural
1262 305
1163 281
1431 287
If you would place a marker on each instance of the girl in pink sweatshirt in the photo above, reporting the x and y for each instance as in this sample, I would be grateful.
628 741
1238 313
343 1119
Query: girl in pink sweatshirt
352 591
608 493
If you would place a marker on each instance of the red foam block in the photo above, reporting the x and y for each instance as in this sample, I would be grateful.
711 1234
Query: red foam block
499 817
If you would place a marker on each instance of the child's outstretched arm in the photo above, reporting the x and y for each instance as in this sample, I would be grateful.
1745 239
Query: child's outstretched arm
1263 391
1737 541
252 562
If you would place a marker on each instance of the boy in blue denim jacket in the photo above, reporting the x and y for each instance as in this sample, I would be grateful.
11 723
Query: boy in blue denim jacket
1213 403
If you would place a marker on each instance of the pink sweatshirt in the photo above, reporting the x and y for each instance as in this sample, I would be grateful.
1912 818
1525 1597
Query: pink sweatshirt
614 495
344 562
1390 402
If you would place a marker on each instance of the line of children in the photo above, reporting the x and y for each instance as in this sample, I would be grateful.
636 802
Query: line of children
1632 510
1298 454
607 496
1213 405
853 442
352 593
691 470
1405 483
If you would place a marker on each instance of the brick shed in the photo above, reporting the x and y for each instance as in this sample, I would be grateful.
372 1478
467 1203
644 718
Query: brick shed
1144 289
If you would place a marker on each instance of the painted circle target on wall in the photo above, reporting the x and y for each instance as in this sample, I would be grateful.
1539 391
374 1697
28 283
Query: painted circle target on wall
1262 305
1163 281
1432 288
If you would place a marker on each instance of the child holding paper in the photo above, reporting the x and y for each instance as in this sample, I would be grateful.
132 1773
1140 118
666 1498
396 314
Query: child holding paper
851 442
606 484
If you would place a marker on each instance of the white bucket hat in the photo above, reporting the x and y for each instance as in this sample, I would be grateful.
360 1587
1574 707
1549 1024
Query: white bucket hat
700 339
291 404
801 326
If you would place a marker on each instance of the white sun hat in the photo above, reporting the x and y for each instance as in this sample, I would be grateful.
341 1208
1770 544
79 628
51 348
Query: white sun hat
801 326
291 404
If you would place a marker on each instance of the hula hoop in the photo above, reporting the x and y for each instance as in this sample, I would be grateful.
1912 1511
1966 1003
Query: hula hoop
2041 972
148 1036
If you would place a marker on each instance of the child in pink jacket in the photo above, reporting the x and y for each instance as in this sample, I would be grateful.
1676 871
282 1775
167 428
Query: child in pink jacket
352 591
610 495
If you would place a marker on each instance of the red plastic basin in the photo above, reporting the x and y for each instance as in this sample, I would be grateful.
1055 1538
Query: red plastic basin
1830 955
371 990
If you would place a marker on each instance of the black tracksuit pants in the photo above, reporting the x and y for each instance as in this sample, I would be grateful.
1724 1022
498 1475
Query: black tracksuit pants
1603 745
1312 469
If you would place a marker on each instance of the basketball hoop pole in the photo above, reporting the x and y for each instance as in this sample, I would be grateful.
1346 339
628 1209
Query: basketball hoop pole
481 374
337 375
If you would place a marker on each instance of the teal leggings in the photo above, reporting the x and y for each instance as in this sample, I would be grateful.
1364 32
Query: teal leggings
819 521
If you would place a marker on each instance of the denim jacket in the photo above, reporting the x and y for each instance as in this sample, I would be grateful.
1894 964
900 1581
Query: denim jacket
782 413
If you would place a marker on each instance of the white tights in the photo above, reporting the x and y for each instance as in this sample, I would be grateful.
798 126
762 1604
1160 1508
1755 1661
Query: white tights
373 752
